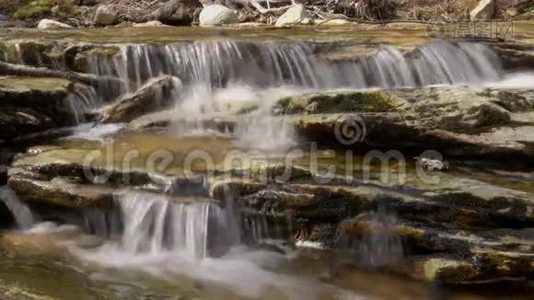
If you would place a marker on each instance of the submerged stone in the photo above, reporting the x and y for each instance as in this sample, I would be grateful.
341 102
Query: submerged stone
89 241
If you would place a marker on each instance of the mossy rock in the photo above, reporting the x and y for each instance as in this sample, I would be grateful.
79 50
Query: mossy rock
33 92
335 102
40 8
20 121
448 270
28 52
62 193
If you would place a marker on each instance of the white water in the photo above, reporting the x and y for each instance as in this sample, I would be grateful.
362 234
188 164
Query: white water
215 73
82 100
22 214
166 239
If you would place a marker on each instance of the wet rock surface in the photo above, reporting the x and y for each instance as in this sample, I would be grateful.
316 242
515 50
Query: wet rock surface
492 123
32 105
152 96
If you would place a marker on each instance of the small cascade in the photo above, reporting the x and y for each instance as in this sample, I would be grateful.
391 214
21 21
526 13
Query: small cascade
214 64
381 246
22 214
263 131
207 67
155 224
378 245
82 100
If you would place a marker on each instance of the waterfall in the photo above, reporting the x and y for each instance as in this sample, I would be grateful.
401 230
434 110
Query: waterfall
213 64
207 67
154 224
381 246
82 100
378 243
21 212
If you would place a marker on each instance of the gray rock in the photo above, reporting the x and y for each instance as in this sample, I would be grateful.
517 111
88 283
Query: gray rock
295 15
216 15
105 15
89 241
3 18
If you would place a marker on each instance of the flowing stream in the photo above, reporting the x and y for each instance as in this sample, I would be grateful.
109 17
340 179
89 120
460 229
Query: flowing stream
205 240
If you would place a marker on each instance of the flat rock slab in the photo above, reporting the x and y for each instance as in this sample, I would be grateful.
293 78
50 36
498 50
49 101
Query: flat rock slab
31 91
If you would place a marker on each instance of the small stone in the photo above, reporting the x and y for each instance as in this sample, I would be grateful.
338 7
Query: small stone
512 11
216 15
105 16
3 18
484 10
150 24
52 24
333 22
297 14
89 241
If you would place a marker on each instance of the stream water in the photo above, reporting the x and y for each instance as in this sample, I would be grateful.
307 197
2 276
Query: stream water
162 249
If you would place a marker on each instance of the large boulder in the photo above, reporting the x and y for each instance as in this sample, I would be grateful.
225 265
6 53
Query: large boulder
216 15
176 12
52 24
294 15
105 15
484 10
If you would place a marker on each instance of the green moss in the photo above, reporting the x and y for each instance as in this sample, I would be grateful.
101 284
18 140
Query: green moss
40 8
336 102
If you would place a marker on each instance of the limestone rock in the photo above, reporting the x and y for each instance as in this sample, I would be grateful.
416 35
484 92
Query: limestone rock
152 96
61 193
294 15
216 15
21 121
105 15
52 24
448 270
484 10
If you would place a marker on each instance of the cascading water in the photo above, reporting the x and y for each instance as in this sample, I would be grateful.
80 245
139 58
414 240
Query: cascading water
22 214
207 67
154 224
81 100
380 245
200 240
219 63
